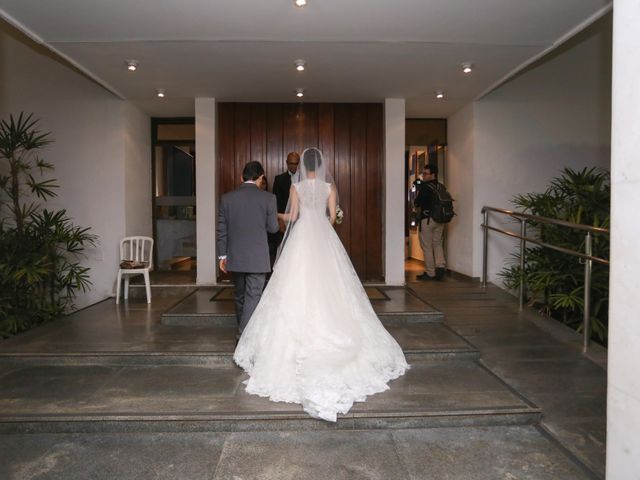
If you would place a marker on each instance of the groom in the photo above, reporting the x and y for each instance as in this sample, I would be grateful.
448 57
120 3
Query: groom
244 218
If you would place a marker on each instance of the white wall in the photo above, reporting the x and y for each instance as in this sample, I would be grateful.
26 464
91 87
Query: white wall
554 115
98 140
623 401
137 143
460 183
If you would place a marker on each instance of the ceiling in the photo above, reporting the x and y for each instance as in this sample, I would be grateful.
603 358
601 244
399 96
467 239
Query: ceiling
356 50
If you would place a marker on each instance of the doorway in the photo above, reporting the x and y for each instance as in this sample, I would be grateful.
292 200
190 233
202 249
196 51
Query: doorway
425 144
174 198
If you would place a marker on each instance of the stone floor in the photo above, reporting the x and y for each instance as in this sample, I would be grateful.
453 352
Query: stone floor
479 453
111 392
538 357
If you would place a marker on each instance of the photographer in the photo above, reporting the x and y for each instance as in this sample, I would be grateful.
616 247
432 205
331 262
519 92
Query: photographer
431 232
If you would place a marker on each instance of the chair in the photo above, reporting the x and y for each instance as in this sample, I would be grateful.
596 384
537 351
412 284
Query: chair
139 252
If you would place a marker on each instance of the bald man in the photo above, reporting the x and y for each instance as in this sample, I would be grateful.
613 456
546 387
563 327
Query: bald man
281 187
282 182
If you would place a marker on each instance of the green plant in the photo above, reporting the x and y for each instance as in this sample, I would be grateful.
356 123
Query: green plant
554 280
39 248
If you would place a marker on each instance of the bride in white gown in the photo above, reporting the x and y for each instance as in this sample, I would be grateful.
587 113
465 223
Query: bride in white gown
314 338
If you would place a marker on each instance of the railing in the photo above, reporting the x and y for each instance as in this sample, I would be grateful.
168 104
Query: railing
587 256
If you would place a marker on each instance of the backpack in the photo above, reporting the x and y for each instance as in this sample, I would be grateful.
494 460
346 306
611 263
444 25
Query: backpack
441 203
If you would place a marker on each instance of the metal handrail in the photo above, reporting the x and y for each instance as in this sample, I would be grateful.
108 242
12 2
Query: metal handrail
587 256
550 221
568 251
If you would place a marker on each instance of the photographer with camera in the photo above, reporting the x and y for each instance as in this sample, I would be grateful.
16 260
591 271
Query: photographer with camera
435 207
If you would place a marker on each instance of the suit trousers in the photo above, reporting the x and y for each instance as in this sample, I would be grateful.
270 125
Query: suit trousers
431 238
248 290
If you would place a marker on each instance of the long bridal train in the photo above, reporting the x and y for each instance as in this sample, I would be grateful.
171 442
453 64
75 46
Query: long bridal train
314 339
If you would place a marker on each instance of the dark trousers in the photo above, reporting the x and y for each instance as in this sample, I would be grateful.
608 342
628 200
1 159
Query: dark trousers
274 239
248 290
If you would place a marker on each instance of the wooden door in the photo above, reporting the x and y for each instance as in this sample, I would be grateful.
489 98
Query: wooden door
351 139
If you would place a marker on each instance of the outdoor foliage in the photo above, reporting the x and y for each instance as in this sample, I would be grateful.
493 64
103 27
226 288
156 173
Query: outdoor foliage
39 248
555 281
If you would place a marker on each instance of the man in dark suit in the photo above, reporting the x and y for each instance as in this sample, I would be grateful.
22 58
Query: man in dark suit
282 182
281 188
245 217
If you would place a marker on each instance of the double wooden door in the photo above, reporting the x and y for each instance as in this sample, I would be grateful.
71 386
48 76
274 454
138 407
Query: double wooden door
351 139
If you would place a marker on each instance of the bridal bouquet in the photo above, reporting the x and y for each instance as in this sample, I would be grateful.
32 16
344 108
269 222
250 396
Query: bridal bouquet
339 215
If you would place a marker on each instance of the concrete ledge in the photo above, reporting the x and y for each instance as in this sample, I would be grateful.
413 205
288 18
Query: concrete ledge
399 307
207 359
199 320
229 319
263 422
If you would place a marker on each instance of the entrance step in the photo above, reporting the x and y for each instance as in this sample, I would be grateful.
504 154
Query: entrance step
215 346
215 307
56 399
138 292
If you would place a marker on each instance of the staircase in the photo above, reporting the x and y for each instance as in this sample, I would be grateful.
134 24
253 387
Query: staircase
177 375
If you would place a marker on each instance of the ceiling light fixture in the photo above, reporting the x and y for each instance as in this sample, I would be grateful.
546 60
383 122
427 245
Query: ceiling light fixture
467 67
132 65
160 93
439 94
299 92
300 65
300 3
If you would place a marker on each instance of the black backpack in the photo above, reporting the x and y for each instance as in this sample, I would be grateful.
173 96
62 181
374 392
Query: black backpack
441 203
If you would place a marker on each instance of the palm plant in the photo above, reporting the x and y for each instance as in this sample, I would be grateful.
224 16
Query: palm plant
39 248
555 281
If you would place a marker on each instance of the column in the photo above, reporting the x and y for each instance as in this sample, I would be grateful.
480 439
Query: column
623 401
394 202
206 190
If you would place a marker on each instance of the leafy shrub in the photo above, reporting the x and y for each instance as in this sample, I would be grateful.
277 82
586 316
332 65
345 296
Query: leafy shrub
39 248
554 280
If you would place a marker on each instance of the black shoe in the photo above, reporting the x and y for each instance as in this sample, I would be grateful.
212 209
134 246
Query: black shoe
440 273
425 276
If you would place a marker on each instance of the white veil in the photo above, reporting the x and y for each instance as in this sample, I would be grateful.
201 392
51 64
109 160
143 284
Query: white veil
315 175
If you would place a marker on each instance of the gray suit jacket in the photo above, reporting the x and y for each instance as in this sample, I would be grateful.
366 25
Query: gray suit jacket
244 218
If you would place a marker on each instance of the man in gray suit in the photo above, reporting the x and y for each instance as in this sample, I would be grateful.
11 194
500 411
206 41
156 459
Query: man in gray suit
244 218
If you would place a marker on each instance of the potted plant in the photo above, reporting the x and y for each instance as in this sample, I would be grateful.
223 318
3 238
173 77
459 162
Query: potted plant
40 248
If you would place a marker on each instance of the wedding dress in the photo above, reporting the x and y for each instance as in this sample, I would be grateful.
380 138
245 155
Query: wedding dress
314 338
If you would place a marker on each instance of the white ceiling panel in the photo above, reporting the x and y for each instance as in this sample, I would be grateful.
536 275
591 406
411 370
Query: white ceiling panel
356 50
264 71
472 21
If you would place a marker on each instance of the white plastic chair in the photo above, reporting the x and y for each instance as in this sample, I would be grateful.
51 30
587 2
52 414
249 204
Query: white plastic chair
139 249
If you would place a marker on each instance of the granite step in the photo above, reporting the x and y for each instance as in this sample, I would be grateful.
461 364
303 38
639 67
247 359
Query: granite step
215 346
57 399
214 307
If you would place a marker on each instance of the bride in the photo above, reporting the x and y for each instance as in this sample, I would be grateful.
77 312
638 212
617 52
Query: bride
314 338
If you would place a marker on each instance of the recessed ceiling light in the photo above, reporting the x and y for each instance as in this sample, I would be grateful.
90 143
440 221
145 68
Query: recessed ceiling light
300 3
439 94
299 92
160 92
467 67
132 65
300 65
